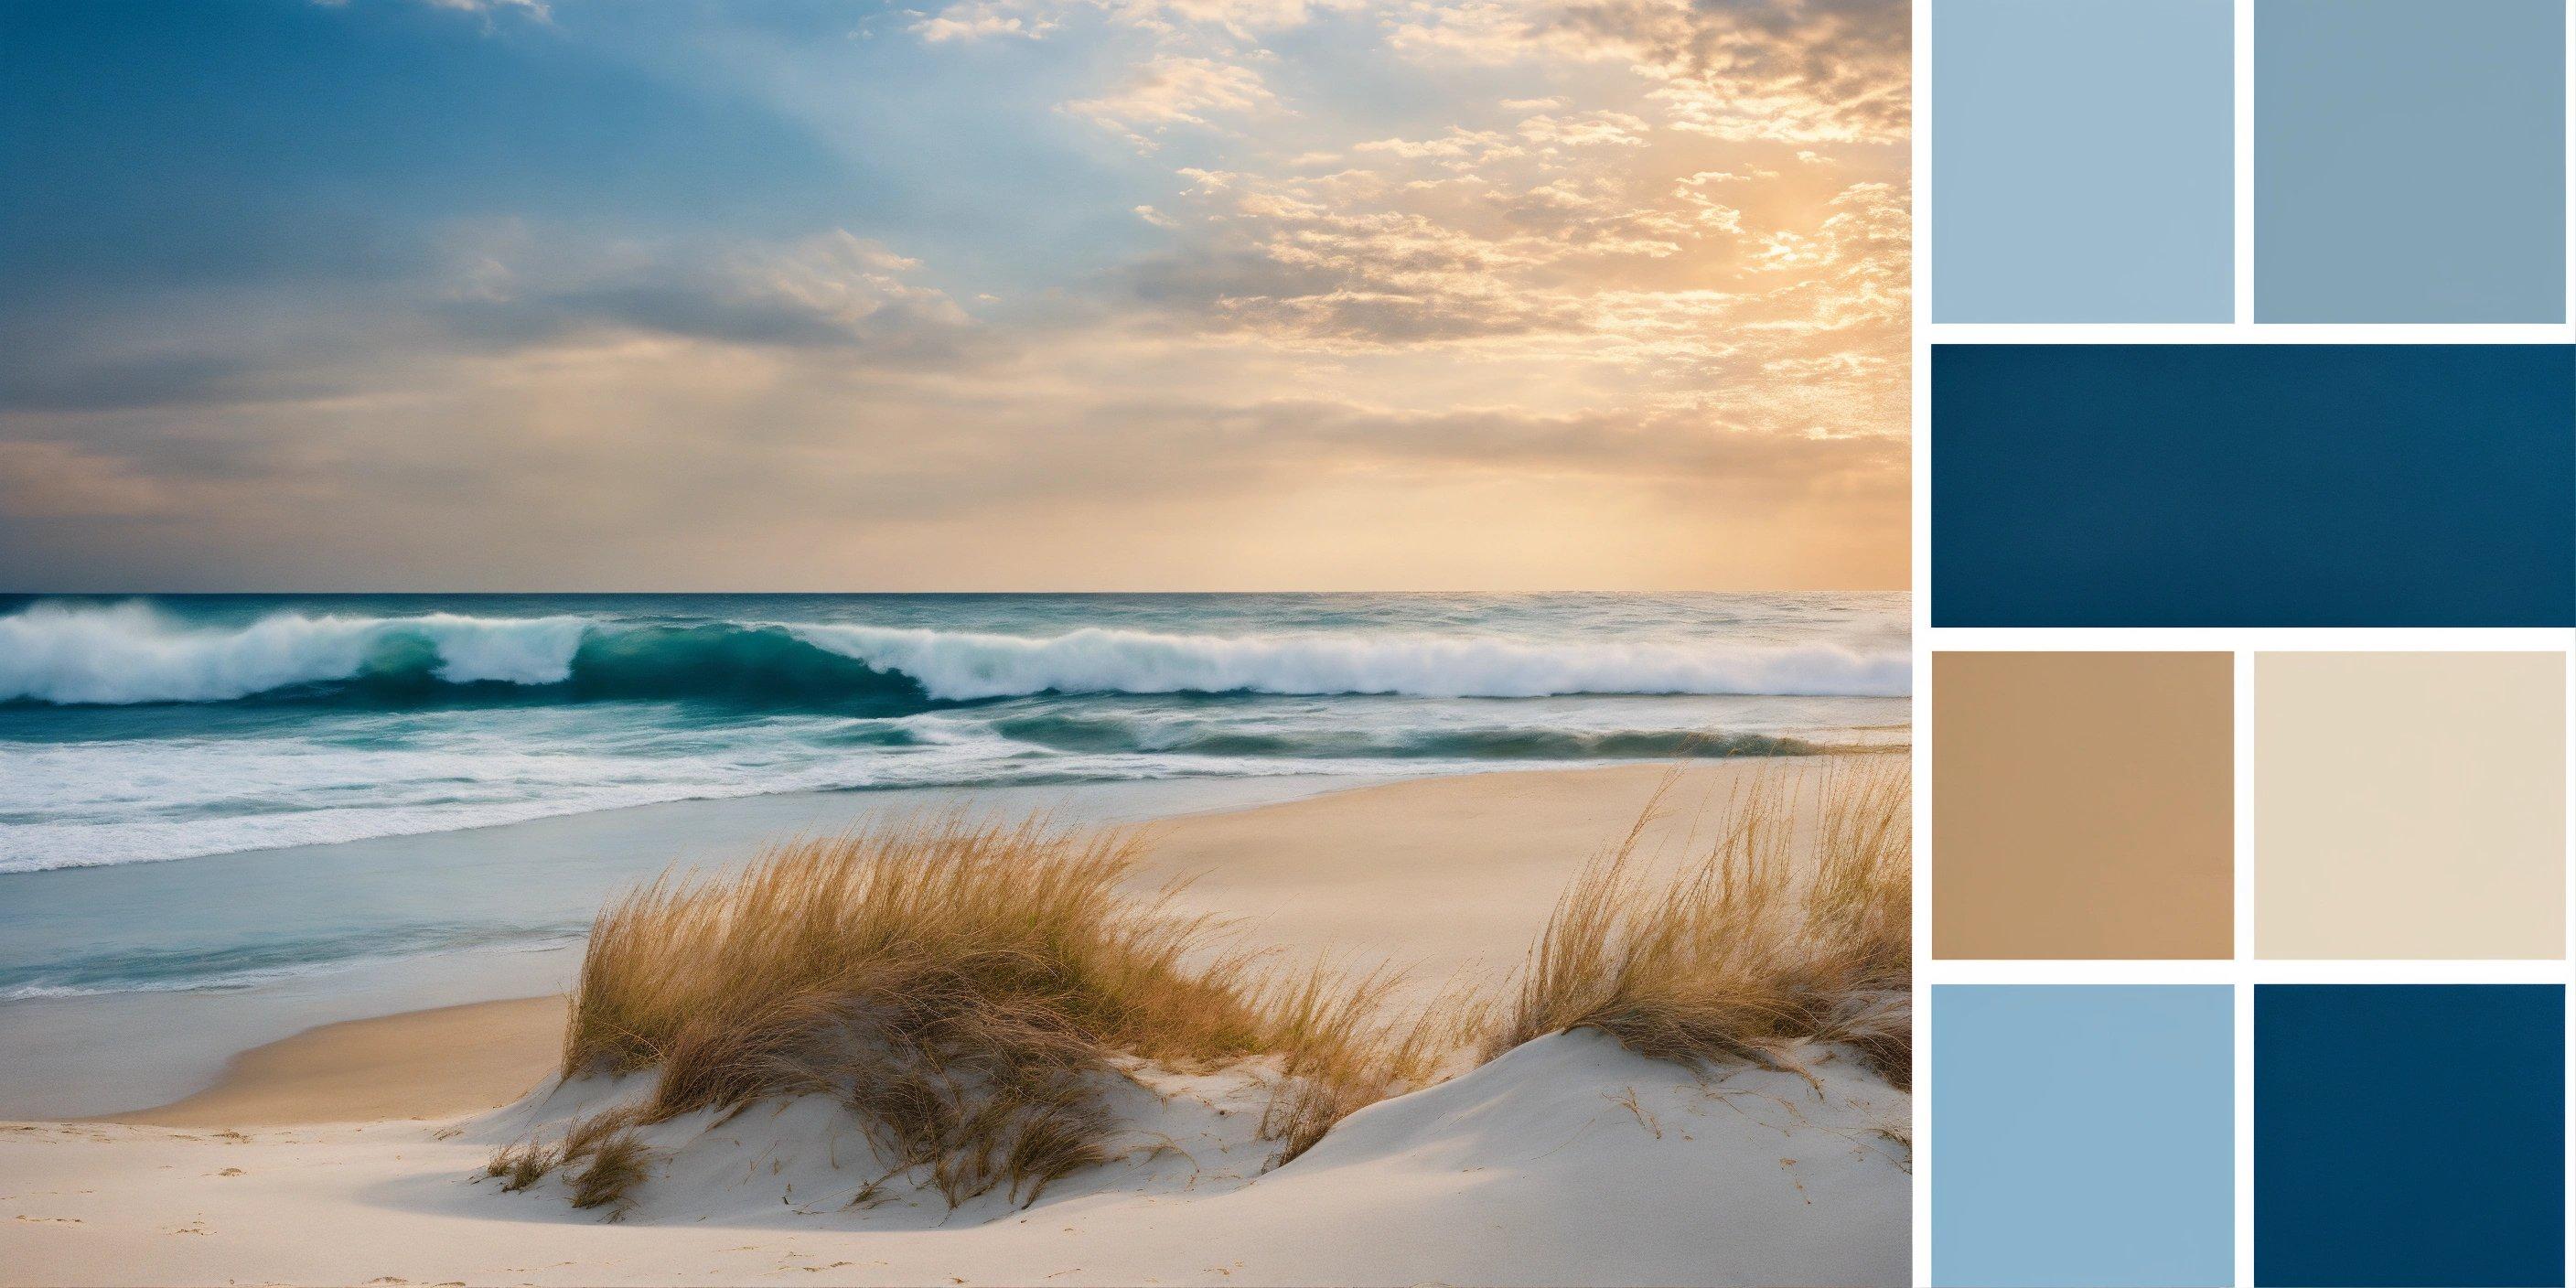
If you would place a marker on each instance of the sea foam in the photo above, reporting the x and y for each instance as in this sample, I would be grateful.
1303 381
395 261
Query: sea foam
126 653
962 665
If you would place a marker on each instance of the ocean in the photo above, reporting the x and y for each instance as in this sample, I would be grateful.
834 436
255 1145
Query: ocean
218 792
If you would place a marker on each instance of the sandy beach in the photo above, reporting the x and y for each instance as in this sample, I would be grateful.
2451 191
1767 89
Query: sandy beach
436 1063
1529 1170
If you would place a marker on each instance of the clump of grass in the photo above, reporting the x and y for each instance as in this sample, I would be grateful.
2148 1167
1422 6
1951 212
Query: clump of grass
617 1164
520 1166
962 986
1794 926
524 1164
1345 1051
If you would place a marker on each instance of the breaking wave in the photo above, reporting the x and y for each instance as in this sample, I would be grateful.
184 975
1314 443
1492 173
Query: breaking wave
130 653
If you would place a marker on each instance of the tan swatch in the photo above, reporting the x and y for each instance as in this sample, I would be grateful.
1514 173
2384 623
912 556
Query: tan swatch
2083 805
2409 805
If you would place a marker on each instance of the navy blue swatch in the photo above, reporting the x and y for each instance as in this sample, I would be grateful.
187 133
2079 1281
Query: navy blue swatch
2253 485
2409 1134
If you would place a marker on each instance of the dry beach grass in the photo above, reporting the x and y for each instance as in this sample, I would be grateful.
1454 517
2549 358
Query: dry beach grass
1772 938
970 990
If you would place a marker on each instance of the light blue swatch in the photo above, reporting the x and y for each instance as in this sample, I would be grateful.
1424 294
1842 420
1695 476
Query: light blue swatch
2083 1135
2409 161
2083 161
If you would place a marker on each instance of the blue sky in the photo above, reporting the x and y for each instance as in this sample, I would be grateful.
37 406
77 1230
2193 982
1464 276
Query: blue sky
999 294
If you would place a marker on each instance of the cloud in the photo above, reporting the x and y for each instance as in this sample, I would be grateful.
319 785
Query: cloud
981 19
1462 147
535 9
1176 20
532 10
1777 70
835 290
1589 129
1175 91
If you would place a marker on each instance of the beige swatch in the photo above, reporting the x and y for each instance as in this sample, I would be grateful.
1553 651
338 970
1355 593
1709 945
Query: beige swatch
2409 805
2083 805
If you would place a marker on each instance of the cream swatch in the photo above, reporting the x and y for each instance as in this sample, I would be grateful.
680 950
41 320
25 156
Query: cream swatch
2409 805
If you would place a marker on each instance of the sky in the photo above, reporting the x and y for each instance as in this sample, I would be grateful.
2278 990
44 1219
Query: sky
985 295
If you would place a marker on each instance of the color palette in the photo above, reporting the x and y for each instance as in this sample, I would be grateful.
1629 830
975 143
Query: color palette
2409 161
2084 161
2083 805
2409 1135
2251 613
2083 1136
2410 805
2253 485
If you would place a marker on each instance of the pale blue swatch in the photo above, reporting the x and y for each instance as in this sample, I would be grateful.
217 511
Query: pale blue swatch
2083 1135
2083 161
2409 161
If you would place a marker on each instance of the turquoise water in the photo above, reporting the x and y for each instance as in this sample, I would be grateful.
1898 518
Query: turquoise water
217 793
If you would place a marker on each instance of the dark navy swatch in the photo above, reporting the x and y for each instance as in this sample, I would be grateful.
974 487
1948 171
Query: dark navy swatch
2409 1134
2253 485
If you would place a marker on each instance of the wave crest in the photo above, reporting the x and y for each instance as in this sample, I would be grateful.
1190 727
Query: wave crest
126 653
963 666
130 653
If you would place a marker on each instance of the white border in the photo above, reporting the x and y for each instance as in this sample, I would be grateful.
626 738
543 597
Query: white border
2246 333
2244 197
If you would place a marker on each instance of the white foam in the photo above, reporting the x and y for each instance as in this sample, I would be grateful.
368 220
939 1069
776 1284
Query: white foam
124 653
964 665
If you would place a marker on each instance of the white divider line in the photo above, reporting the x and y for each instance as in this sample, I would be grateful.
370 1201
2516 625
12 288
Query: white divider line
2567 840
2244 120
2244 1053
2247 333
2255 971
2242 744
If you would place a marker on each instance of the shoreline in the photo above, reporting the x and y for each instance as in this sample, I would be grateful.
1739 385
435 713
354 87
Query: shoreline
1343 874
115 1049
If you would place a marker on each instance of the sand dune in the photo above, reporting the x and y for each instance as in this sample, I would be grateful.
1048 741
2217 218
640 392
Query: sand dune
1569 1161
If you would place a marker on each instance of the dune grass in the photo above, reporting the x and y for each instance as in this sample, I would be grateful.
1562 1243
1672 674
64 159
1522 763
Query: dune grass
968 989
964 987
612 1168
1346 1047
1794 926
